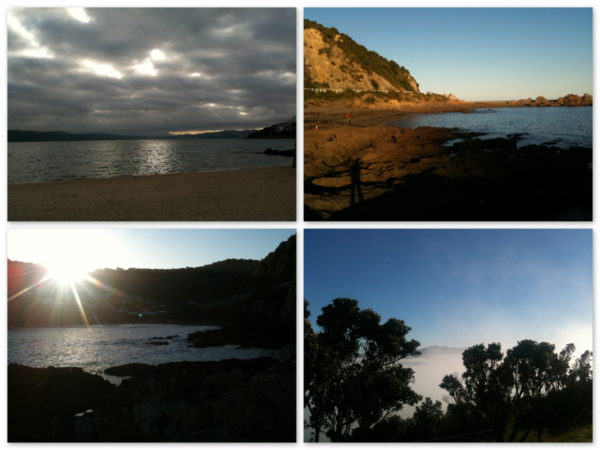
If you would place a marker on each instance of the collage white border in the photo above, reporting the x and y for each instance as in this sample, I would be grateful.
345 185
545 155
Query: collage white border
298 224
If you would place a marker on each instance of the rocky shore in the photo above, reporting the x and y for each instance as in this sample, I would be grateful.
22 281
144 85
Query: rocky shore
224 401
567 100
390 173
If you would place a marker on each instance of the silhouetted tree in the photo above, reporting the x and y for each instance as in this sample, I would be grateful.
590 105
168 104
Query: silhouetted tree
426 422
483 398
353 378
519 393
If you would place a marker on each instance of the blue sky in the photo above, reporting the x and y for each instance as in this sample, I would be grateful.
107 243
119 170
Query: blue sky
460 287
143 248
478 53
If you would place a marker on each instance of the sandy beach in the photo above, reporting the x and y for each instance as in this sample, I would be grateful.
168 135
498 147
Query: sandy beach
267 194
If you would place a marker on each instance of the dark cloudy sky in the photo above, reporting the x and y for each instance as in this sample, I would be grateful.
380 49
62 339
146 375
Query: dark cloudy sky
150 70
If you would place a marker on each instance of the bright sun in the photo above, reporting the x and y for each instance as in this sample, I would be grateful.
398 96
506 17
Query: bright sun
68 254
66 272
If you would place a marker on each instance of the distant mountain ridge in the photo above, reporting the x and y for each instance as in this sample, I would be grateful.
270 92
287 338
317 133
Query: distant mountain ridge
46 136
233 290
52 136
333 60
225 134
282 130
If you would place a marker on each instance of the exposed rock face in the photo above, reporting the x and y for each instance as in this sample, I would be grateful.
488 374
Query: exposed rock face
567 100
225 401
389 173
334 61
279 266
267 318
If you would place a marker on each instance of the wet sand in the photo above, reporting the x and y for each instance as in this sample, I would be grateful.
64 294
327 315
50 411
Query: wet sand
267 194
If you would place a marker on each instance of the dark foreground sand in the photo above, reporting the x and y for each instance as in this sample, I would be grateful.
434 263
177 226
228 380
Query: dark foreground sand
250 194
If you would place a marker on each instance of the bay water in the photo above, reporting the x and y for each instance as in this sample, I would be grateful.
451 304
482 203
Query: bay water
99 347
562 127
30 162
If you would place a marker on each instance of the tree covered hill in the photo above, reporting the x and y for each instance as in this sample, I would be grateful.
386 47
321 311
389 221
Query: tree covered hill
219 293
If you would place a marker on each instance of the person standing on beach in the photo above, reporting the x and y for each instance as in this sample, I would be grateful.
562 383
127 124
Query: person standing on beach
348 118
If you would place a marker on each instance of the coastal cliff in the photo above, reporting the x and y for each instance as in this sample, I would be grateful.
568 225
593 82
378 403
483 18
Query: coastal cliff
333 60
340 71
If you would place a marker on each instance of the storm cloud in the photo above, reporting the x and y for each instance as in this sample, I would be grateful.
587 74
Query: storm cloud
150 71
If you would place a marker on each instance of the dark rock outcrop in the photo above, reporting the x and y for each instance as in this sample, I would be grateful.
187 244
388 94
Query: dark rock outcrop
267 318
283 130
225 401
567 100
275 152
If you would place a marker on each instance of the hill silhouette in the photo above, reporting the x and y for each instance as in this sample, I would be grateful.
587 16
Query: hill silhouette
232 293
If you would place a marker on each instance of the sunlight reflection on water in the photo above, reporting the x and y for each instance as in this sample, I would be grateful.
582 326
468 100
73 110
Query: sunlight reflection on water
30 162
98 347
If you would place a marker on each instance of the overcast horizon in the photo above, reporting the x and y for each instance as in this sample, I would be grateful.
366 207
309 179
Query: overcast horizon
150 71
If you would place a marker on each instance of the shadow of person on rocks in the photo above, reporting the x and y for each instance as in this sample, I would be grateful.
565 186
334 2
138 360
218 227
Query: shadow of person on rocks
355 184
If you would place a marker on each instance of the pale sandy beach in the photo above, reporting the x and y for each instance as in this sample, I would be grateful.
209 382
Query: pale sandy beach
267 194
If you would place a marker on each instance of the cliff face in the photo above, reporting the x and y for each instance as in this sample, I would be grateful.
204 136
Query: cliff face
333 60
279 266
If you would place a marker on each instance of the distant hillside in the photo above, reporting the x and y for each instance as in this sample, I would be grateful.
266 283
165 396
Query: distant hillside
45 136
230 291
283 130
332 60
49 136
225 134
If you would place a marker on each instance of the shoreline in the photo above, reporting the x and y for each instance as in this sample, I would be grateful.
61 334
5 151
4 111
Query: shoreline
384 173
127 177
362 117
335 114
265 194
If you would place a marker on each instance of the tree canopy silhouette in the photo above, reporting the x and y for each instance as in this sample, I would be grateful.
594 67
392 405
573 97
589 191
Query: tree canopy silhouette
353 378
531 388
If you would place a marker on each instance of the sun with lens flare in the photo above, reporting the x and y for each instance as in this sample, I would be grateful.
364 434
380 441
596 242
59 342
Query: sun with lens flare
69 255
66 272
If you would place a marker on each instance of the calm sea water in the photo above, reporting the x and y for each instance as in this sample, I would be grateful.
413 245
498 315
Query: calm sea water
101 346
53 161
563 126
